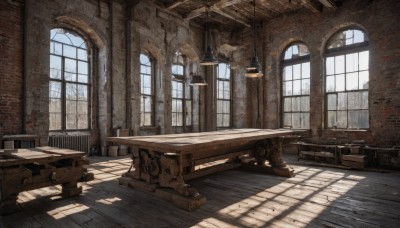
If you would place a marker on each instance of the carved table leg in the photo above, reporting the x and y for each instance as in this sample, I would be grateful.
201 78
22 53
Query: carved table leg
9 205
71 189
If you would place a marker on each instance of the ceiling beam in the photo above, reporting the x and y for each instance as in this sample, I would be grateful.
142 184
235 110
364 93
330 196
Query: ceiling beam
329 3
311 6
218 6
235 17
175 4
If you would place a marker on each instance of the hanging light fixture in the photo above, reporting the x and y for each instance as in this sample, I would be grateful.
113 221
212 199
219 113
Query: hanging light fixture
197 80
254 70
208 57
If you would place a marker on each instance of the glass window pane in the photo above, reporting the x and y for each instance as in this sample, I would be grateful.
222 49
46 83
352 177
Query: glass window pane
354 118
331 101
364 99
55 74
70 76
287 88
70 91
296 120
179 119
287 72
339 64
219 120
83 121
305 120
70 107
55 62
296 87
82 54
340 82
147 119
226 107
83 67
226 90
226 119
83 78
55 105
55 89
305 86
354 100
342 101
296 104
305 70
364 60
352 81
70 51
330 84
82 107
363 80
363 121
147 104
305 103
296 71
331 119
83 92
330 65
287 104
341 119
55 121
358 36
287 120
70 65
352 62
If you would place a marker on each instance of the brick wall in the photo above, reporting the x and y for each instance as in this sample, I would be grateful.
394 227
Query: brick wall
11 67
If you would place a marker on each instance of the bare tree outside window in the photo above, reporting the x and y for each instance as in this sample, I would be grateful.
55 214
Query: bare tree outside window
69 85
346 82
296 87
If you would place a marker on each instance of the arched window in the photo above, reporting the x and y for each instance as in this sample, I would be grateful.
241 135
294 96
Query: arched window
181 93
223 95
347 76
69 88
296 87
146 91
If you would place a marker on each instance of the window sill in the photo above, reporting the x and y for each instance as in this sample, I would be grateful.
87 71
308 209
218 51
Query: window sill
347 130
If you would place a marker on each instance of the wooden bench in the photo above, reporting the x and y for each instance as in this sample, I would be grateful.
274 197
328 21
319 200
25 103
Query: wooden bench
317 150
28 169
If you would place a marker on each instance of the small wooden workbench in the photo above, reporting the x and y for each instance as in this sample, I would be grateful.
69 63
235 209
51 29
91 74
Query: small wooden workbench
165 162
27 169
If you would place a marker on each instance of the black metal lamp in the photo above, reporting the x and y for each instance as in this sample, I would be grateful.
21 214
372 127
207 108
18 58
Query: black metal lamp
197 80
208 57
254 70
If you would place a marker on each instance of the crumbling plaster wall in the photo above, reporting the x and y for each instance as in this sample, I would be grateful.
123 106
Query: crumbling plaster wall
379 19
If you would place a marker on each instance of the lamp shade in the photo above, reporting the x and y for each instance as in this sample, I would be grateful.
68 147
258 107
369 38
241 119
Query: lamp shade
197 80
254 71
208 57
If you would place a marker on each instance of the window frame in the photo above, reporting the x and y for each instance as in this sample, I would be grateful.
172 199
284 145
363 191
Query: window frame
301 59
355 48
142 123
64 82
217 79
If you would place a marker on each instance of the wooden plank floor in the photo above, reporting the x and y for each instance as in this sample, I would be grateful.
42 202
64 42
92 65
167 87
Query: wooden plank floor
315 197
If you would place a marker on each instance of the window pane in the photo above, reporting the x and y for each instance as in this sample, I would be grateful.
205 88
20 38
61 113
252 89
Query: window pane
70 77
352 62
83 78
296 120
331 101
55 74
305 70
287 88
352 81
305 86
82 54
330 83
296 104
353 119
70 107
287 73
342 101
296 71
147 119
287 104
305 103
330 65
287 120
219 120
147 104
69 51
354 100
226 120
339 64
331 119
83 92
71 93
305 120
363 119
55 62
340 82
70 65
179 119
83 121
296 87
55 105
226 107
341 119
82 107
363 80
83 67
364 99
364 60
55 121
55 89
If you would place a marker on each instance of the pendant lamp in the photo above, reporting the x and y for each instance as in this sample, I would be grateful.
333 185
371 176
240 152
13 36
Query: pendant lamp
197 80
208 57
254 70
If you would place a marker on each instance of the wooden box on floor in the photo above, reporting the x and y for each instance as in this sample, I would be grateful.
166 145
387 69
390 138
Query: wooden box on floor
354 161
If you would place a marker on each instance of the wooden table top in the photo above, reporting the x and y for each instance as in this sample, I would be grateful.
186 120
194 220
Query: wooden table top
191 141
37 155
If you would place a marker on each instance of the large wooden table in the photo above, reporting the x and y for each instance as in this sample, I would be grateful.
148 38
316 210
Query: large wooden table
27 169
163 163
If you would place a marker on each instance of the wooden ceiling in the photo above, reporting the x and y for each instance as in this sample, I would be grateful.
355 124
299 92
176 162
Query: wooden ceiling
239 13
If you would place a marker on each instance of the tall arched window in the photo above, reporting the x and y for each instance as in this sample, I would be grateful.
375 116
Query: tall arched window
347 76
181 93
296 87
146 91
69 88
224 95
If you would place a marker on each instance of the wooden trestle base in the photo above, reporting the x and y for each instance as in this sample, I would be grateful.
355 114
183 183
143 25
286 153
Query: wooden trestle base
28 169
